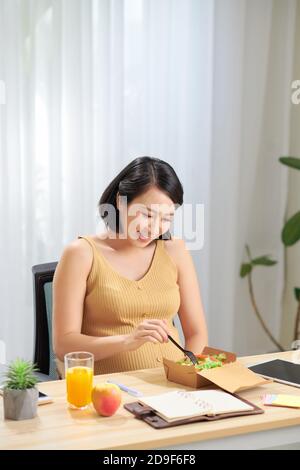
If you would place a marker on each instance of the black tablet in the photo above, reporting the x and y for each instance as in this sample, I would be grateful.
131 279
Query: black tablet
280 371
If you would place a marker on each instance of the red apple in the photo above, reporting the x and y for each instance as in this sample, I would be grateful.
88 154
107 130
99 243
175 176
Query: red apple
106 398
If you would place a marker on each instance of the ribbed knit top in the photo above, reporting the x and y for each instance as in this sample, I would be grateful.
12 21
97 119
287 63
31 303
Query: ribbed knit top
115 305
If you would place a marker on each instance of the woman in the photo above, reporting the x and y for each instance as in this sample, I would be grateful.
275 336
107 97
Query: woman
115 294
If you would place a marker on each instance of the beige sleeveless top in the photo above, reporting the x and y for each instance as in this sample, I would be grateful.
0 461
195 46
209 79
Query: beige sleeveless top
115 305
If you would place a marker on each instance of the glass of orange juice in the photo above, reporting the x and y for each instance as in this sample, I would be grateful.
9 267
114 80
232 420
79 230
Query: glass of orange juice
79 367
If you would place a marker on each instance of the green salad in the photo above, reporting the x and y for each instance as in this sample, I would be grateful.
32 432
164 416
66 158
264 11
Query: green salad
205 361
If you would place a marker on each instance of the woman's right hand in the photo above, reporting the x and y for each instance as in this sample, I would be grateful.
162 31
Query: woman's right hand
154 331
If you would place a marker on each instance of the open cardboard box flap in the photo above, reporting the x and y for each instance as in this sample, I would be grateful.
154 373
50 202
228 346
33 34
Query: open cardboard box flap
232 376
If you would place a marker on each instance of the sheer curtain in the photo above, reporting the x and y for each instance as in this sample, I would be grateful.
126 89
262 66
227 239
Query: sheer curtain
91 84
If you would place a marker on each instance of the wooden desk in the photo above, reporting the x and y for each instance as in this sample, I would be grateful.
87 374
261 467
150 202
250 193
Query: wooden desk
57 427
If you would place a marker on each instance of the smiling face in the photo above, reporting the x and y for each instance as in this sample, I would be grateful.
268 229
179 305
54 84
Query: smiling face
147 216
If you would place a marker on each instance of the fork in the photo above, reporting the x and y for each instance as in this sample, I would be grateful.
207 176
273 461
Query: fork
189 354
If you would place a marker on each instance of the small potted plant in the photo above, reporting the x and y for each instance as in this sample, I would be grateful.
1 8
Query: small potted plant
20 395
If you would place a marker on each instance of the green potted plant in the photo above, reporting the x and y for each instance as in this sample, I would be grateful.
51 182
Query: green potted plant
20 395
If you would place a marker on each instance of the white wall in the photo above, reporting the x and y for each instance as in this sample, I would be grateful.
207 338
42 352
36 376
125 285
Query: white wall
292 254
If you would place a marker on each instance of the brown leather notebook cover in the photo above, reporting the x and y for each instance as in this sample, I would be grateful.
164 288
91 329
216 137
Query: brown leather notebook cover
148 414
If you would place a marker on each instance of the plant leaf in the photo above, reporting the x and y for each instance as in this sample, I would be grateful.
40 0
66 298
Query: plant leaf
292 162
291 231
20 375
297 293
248 253
245 269
263 261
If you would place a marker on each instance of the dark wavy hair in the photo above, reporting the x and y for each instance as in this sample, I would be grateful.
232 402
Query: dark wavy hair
138 176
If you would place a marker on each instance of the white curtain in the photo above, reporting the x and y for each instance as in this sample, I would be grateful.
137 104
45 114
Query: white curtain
92 84
253 52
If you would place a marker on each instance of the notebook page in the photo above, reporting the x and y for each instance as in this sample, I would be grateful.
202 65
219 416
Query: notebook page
176 405
180 404
222 402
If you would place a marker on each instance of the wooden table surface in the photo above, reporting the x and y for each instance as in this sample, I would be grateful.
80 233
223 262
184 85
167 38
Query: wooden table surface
58 427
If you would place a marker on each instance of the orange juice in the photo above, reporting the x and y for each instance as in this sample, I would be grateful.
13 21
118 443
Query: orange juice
79 381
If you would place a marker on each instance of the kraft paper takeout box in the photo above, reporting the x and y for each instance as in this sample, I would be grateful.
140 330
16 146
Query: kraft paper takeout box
232 376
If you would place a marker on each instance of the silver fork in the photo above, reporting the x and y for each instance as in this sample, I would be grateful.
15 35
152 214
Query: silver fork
189 354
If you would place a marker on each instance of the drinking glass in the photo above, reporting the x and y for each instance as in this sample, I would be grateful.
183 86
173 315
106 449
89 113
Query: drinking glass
79 367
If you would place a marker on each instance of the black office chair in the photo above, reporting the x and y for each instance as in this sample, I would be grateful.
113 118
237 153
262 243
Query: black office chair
42 292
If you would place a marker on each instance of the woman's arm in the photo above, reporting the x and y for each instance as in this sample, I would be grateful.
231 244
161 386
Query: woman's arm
69 289
191 313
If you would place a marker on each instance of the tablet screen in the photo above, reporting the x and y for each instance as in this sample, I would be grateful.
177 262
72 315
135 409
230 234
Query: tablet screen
278 370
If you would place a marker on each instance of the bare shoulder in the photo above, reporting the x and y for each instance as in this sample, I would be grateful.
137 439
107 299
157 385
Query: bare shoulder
78 248
181 255
177 249
77 254
175 244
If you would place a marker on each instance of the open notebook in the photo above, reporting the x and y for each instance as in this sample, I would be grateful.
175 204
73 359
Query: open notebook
181 404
